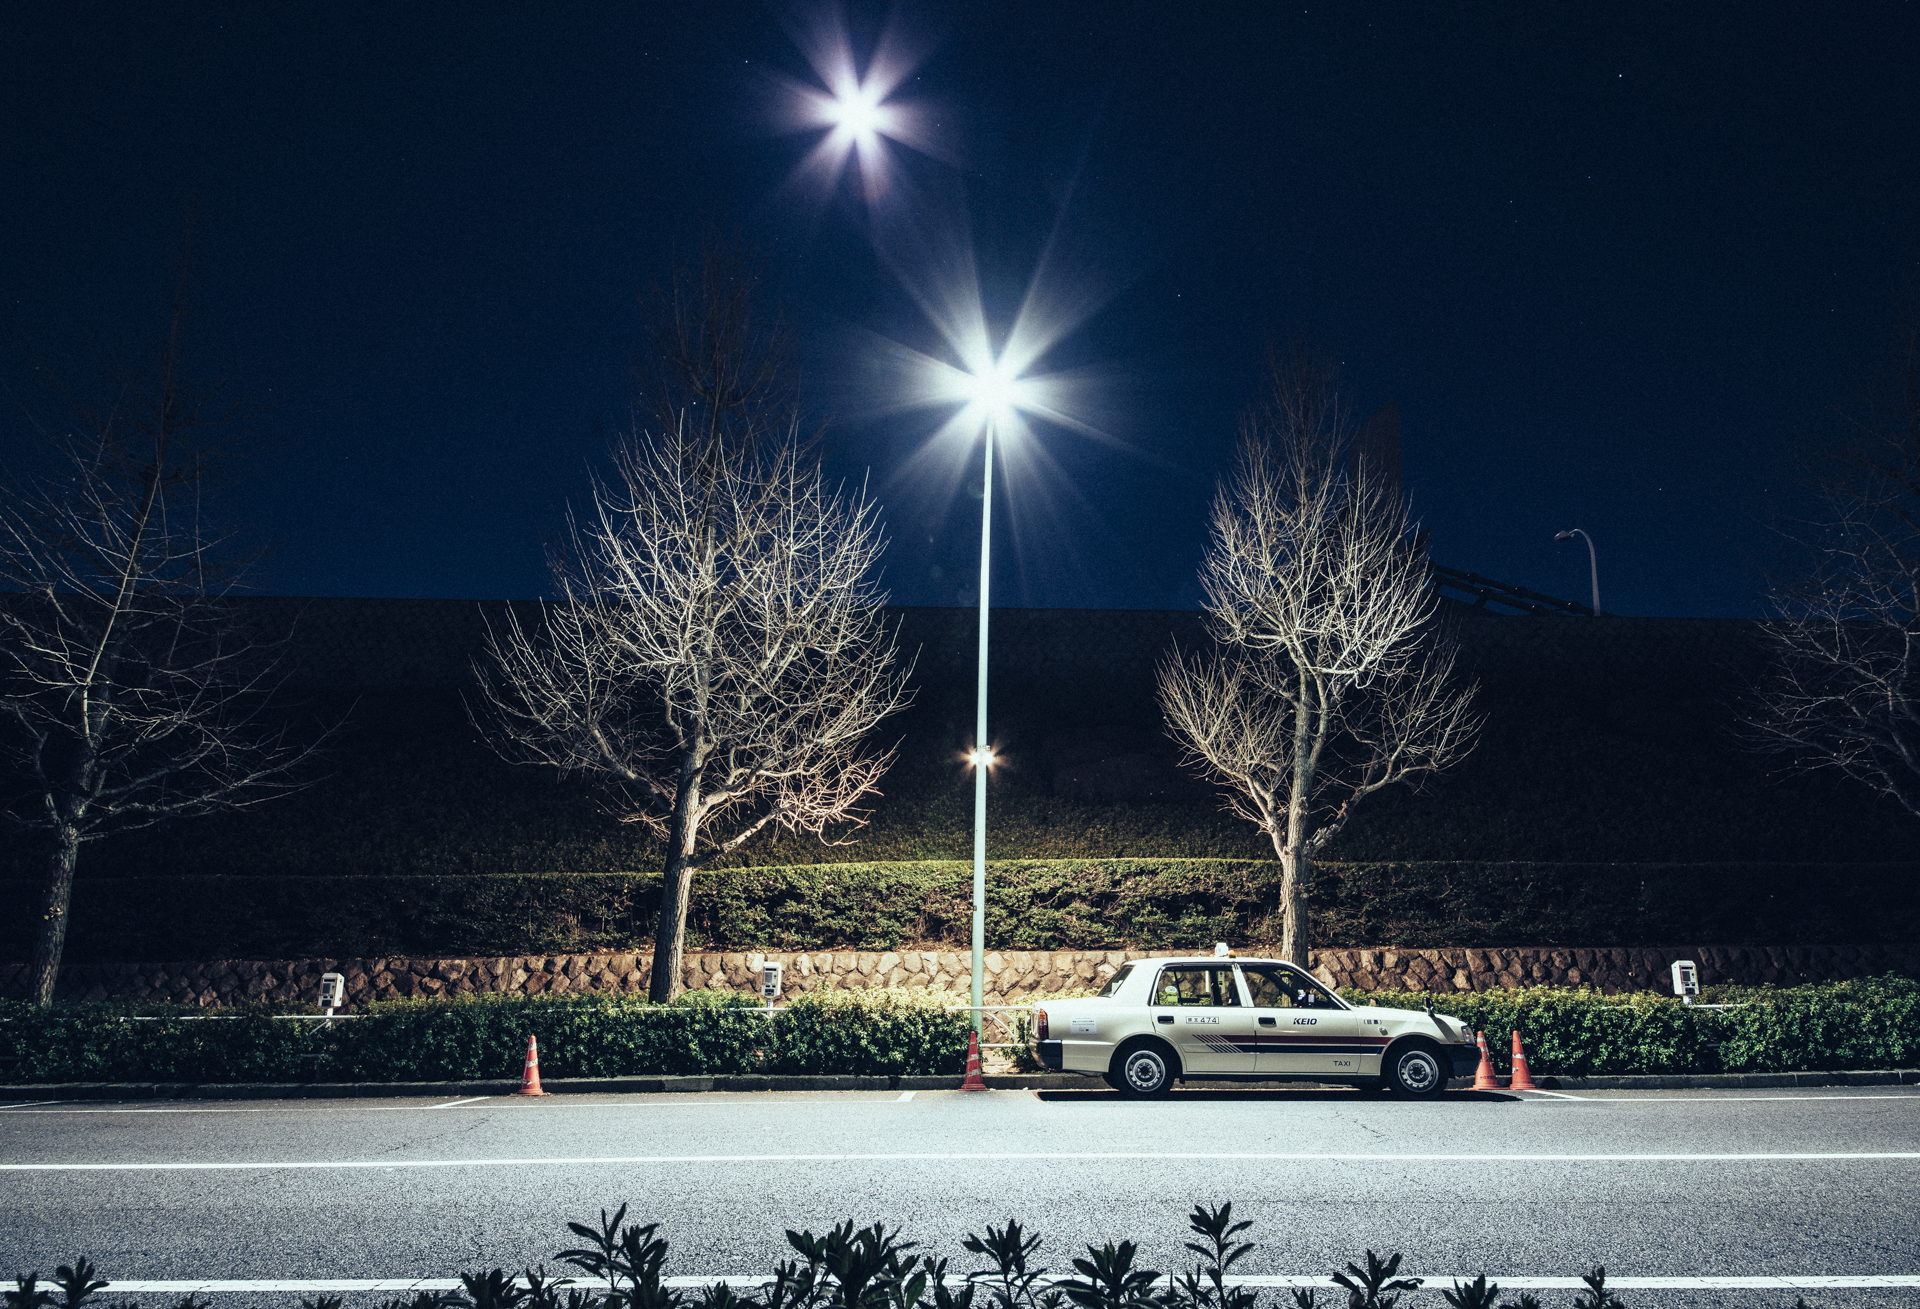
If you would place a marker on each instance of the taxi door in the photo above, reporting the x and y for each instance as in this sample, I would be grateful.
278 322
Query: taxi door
1299 1027
1198 1009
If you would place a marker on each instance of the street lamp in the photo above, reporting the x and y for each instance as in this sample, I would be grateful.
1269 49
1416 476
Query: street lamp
990 385
1593 563
996 392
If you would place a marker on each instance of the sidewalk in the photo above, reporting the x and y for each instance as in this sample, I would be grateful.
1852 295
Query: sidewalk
1006 1082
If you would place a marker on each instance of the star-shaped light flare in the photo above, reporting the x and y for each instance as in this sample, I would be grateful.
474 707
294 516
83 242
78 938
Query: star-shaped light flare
856 109
985 383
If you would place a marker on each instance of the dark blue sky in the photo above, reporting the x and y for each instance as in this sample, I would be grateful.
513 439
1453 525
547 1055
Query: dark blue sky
1605 260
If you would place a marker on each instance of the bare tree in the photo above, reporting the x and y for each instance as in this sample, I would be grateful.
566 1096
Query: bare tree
130 690
1332 679
1843 688
717 650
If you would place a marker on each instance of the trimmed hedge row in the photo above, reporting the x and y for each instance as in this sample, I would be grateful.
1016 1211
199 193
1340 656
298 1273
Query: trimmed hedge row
1065 904
1867 1023
866 1033
1873 1023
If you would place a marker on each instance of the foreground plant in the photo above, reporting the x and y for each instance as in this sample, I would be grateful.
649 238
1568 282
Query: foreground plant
1014 1282
1367 1288
1221 1252
873 1267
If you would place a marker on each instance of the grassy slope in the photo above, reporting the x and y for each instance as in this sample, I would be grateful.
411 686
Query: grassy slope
1563 773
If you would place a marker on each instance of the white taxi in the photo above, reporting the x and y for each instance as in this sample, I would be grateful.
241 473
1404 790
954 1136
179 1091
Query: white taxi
1159 1021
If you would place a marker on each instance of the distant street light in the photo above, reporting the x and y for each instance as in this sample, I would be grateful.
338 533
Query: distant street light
1593 563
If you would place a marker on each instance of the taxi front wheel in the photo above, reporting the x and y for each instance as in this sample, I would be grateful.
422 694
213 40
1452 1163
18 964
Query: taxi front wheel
1145 1068
1416 1069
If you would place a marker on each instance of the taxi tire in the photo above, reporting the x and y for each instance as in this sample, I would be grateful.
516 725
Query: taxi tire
1148 1052
1415 1057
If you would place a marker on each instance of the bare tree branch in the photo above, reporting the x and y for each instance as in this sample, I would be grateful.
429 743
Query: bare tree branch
1332 679
717 652
130 692
1843 688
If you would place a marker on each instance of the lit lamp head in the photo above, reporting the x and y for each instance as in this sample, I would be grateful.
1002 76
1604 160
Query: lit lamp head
980 758
858 115
995 392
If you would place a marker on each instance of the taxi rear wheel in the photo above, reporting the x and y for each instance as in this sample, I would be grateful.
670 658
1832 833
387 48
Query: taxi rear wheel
1143 1068
1416 1069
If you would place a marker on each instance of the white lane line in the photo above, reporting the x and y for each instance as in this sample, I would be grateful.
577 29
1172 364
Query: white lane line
26 1105
1557 1095
229 1285
904 1097
454 1104
1788 1282
1061 1156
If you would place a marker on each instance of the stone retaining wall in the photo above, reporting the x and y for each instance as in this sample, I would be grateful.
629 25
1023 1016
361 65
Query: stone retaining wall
1012 975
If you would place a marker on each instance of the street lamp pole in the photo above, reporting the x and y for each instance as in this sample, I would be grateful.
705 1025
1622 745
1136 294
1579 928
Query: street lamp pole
982 756
1593 562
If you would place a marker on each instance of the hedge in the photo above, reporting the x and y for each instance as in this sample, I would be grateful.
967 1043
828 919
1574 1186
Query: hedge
1033 904
1871 1023
871 1033
1866 1023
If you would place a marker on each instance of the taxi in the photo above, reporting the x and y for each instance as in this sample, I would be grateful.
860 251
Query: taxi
1159 1021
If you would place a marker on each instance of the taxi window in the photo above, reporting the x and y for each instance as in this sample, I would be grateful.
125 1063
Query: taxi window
1283 988
1270 987
1115 982
1197 986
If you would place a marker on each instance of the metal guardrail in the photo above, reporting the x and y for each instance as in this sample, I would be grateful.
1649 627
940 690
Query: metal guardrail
234 1018
1479 592
1006 1025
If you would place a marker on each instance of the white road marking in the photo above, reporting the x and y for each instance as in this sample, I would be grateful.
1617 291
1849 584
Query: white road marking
1062 1156
1557 1095
28 1104
1788 1282
904 1097
454 1104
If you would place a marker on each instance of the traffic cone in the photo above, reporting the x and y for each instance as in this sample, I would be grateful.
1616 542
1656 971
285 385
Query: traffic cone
1483 1079
1522 1078
974 1081
530 1075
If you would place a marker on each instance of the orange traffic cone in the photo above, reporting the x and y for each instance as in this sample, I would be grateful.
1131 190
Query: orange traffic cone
1483 1079
530 1075
974 1081
1522 1078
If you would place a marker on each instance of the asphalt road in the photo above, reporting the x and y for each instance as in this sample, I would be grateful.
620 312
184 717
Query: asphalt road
1689 1185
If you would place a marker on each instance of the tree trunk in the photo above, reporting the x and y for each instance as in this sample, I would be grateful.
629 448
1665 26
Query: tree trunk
1295 872
53 916
676 884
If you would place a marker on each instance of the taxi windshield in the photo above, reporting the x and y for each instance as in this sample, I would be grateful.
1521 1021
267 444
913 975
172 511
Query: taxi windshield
1114 983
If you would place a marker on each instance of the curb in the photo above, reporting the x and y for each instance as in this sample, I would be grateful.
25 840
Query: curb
506 1086
786 1082
1733 1081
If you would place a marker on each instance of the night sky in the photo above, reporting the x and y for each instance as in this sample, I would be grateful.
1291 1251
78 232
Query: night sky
1606 259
